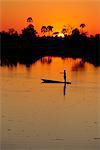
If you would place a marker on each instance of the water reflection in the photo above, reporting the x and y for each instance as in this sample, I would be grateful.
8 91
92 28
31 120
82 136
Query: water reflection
64 87
64 91
78 65
51 115
46 60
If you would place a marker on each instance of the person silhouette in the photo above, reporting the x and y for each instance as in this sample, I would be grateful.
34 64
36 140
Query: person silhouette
65 76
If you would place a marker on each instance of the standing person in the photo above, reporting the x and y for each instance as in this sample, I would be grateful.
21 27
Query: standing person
64 75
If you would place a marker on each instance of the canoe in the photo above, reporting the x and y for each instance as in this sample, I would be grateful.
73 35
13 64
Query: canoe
53 81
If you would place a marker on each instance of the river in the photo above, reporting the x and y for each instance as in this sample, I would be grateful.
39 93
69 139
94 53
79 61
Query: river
39 116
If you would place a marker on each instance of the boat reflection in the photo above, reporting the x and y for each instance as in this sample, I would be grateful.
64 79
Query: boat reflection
64 87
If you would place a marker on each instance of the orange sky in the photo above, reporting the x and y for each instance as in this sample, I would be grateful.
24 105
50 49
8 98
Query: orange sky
50 12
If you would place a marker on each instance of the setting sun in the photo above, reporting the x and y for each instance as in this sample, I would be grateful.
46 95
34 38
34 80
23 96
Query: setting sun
60 35
49 74
51 12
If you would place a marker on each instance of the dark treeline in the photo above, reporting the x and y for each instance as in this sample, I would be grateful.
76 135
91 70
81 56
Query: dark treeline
28 47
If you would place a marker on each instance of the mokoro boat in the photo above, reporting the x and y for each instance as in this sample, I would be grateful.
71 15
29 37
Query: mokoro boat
53 81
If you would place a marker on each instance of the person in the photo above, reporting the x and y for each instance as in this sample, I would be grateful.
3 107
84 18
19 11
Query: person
64 75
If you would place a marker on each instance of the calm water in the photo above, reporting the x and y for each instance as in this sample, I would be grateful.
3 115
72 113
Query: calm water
37 116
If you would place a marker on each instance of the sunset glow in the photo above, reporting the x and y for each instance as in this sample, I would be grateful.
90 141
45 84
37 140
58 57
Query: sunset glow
51 12
49 74
60 35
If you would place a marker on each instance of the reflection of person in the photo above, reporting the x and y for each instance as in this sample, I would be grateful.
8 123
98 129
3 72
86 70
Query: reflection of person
64 75
64 92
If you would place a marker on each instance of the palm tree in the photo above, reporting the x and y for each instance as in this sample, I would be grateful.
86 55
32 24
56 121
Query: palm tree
49 29
64 31
29 20
43 29
82 25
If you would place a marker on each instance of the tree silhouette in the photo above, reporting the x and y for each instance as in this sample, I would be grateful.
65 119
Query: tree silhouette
29 20
64 31
75 32
67 29
82 25
55 34
29 32
43 29
49 29
12 31
27 48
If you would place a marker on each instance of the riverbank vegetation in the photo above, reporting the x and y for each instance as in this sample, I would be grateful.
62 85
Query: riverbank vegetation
27 47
